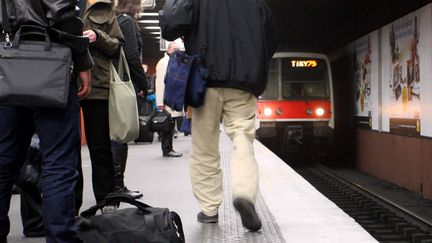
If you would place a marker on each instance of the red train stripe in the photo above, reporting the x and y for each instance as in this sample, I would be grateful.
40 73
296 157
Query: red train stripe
294 109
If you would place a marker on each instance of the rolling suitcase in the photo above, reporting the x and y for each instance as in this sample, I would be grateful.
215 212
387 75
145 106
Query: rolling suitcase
145 112
145 135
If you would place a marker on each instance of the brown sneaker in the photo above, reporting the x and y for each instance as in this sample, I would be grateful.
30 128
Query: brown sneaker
201 217
248 214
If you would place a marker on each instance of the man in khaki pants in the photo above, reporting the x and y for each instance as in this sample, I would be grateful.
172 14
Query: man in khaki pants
237 39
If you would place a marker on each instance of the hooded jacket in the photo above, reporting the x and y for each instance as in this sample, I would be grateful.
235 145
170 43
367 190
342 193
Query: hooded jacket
100 17
238 38
60 17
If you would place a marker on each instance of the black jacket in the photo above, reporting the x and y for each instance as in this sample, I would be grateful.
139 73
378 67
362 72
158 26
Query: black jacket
60 17
239 37
133 49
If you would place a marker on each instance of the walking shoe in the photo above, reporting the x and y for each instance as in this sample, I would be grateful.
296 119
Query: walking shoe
172 153
248 215
125 190
201 217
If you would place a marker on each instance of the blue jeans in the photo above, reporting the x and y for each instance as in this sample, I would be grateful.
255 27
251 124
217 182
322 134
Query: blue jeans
58 130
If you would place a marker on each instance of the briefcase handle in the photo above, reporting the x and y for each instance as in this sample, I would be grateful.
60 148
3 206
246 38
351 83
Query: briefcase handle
26 30
114 198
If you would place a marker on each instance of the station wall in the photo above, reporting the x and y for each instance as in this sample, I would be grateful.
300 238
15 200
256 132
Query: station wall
391 100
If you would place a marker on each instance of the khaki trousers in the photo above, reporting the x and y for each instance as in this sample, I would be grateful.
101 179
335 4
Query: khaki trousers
237 110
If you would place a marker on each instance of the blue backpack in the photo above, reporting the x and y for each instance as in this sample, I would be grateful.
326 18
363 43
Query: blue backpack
185 81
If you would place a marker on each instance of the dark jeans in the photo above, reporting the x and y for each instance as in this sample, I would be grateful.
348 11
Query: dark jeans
96 125
58 131
31 201
167 139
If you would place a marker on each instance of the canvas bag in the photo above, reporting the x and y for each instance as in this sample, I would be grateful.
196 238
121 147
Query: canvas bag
122 104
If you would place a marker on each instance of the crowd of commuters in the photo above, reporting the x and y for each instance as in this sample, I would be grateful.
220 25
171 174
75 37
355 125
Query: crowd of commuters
110 28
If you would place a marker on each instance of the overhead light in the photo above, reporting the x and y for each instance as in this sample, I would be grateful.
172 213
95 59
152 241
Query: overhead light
148 14
156 37
154 33
149 21
148 4
152 27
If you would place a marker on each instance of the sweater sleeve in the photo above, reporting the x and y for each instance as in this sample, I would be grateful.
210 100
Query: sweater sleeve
109 40
62 16
132 53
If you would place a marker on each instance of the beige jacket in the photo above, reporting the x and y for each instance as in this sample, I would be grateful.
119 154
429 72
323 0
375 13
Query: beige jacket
161 69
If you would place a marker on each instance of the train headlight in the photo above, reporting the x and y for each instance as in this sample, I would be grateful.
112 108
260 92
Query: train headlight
319 111
268 112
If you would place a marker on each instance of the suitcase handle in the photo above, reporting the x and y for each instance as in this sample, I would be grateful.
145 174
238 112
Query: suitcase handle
114 198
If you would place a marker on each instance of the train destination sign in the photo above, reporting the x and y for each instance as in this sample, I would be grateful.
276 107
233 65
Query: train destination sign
304 63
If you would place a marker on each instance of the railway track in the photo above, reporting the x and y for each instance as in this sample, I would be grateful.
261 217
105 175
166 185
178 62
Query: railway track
384 220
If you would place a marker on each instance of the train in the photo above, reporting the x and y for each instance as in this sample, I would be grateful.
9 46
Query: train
295 114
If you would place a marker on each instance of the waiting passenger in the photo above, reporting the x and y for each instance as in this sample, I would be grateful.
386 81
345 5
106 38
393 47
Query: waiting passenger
102 28
127 11
161 69
238 42
58 129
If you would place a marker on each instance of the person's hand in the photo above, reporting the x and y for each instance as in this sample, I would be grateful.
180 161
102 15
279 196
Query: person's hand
85 88
141 93
91 35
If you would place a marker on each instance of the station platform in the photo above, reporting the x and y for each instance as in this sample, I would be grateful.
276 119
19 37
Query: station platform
290 208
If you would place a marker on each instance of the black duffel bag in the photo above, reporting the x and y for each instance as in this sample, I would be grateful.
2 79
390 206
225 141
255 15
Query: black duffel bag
140 224
160 121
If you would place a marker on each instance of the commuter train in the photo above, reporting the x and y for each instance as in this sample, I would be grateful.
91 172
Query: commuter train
295 114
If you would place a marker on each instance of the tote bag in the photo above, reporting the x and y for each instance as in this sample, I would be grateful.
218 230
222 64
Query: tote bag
122 104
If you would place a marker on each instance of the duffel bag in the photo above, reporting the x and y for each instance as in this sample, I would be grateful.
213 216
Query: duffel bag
140 224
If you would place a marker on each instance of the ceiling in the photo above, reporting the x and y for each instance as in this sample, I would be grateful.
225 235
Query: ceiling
314 25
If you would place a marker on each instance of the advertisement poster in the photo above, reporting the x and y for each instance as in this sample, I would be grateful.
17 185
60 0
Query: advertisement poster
366 79
403 74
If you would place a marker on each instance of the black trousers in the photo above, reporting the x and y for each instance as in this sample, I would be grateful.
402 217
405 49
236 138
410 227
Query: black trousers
96 125
167 138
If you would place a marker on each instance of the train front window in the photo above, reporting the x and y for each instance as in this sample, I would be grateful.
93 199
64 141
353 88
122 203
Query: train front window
304 78
271 91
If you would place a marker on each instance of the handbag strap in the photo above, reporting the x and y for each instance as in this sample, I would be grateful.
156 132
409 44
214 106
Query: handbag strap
203 28
7 30
122 64
117 74
177 221
25 30
115 198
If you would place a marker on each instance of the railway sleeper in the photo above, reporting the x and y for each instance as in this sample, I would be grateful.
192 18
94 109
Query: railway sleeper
410 231
418 237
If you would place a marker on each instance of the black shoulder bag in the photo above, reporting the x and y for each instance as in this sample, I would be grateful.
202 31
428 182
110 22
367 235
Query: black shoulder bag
33 73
